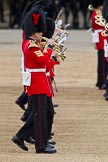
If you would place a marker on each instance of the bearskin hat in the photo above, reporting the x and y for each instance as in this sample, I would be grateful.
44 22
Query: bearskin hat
96 3
50 28
51 11
48 6
33 4
34 21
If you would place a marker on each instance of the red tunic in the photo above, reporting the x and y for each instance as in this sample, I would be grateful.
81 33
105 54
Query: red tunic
34 58
95 27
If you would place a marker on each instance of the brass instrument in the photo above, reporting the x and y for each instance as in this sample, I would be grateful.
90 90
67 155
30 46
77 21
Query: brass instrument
54 44
56 48
61 39
58 16
62 54
43 42
63 32
57 43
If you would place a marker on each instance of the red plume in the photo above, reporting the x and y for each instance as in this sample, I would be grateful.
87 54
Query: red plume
35 18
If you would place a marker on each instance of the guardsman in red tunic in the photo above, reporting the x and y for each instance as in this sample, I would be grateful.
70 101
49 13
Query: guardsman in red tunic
105 33
35 81
50 111
98 39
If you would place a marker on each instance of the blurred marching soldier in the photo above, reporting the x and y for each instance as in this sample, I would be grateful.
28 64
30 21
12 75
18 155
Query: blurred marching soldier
72 6
75 7
36 83
98 39
105 10
50 108
1 11
105 17
14 13
83 6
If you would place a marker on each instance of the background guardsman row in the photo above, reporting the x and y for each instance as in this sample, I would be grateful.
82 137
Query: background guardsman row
98 40
73 10
1 11
105 33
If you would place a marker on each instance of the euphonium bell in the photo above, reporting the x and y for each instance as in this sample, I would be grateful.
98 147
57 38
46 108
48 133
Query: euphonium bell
61 55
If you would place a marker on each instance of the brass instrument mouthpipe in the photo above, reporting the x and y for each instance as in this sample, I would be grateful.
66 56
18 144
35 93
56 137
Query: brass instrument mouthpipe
46 39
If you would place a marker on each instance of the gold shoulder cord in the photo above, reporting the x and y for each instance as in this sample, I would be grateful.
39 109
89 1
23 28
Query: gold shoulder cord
32 44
